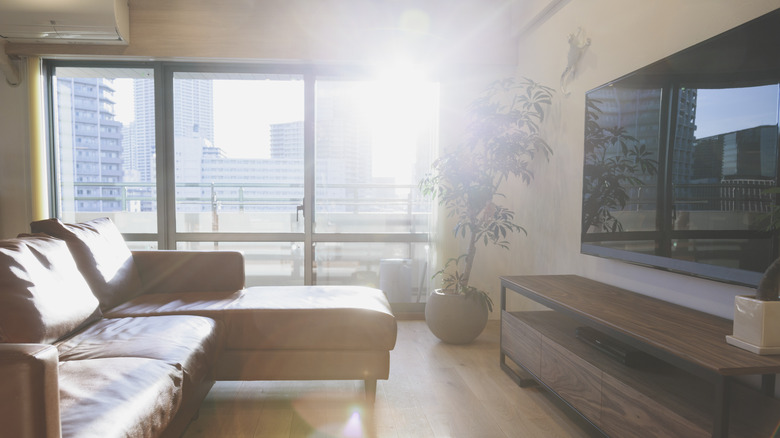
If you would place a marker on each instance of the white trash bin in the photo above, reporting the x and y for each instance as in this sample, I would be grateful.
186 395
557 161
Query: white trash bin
395 279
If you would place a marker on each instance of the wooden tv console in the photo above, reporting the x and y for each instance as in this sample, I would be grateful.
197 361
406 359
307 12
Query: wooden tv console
683 385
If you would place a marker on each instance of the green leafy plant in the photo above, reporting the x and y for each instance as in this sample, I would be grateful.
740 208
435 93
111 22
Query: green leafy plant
502 139
769 286
453 279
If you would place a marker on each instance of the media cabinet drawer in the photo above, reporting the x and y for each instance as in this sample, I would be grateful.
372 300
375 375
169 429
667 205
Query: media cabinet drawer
654 398
629 413
521 343
575 380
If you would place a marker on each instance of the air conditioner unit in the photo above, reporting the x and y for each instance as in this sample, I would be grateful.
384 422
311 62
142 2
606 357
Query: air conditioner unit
65 21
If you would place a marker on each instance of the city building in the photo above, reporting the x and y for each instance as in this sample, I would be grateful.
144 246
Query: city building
92 144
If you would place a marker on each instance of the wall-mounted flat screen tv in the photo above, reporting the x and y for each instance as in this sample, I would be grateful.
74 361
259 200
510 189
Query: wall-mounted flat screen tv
681 159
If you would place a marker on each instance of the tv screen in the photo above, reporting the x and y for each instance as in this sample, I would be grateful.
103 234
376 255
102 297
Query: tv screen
681 159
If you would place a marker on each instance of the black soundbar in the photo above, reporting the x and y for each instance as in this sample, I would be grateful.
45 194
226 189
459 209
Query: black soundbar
616 350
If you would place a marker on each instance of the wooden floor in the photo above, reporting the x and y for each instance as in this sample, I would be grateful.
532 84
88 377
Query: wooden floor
434 390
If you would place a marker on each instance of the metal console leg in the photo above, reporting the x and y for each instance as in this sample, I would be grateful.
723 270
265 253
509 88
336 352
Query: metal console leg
768 382
721 420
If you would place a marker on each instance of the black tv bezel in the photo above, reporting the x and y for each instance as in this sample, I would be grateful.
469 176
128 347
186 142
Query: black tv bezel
750 39
739 277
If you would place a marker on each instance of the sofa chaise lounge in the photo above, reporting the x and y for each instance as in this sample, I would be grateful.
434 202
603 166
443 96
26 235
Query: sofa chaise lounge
100 341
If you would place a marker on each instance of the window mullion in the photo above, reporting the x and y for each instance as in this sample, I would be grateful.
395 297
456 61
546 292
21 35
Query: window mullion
308 185
164 134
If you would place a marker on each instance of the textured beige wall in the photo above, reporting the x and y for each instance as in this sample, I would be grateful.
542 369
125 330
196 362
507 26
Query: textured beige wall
625 35
464 31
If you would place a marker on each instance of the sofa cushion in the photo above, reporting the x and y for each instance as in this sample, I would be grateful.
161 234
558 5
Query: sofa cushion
118 397
43 296
102 256
310 318
191 342
209 304
174 271
284 317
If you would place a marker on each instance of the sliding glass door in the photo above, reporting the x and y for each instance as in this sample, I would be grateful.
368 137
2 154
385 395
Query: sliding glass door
313 177
374 141
238 153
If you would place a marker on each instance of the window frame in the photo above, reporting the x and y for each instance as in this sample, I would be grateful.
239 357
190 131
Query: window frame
167 237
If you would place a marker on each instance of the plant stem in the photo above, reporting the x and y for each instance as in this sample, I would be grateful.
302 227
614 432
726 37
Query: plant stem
472 252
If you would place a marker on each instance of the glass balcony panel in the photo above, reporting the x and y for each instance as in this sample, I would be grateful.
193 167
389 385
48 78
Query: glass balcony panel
266 263
142 246
400 269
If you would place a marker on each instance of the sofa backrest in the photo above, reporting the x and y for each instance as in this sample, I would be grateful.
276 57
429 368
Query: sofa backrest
102 256
43 296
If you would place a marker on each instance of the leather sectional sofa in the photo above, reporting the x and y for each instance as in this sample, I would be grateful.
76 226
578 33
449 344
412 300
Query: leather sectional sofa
100 341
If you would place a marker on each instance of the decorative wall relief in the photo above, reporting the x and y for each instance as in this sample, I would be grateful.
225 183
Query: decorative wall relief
578 43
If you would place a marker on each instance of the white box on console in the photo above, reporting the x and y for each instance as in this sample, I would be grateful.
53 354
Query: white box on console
756 325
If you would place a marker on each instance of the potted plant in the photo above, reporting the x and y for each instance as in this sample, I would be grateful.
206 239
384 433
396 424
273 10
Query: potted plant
501 141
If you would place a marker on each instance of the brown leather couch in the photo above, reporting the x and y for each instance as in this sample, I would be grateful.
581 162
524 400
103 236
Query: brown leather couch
96 340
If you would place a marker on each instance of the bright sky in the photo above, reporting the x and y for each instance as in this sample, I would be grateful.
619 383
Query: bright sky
398 110
244 110
123 96
728 110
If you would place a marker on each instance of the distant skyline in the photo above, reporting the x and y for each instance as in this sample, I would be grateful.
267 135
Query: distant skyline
244 110
719 111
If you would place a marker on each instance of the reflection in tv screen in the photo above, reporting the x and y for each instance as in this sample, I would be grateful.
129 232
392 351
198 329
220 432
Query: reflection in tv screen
688 192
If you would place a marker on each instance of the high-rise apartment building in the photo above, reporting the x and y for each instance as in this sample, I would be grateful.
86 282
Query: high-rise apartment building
736 167
193 118
91 143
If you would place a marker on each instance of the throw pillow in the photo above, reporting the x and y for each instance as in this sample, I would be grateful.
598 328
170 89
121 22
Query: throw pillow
102 256
43 296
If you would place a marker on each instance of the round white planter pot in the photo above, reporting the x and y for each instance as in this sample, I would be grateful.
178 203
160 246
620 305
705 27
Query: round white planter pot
453 318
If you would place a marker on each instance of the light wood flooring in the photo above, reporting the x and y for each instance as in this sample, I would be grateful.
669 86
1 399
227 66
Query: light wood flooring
434 390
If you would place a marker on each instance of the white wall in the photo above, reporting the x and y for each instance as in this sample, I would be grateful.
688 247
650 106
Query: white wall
625 35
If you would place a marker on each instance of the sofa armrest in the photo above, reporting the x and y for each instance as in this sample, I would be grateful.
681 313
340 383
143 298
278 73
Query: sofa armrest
29 391
169 271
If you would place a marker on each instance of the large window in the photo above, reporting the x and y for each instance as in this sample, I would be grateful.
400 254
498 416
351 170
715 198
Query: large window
238 145
313 177
104 154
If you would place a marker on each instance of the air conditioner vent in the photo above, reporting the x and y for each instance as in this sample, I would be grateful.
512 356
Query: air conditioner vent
65 22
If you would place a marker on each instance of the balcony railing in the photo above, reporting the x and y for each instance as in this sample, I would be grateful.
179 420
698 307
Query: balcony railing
371 200
387 244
